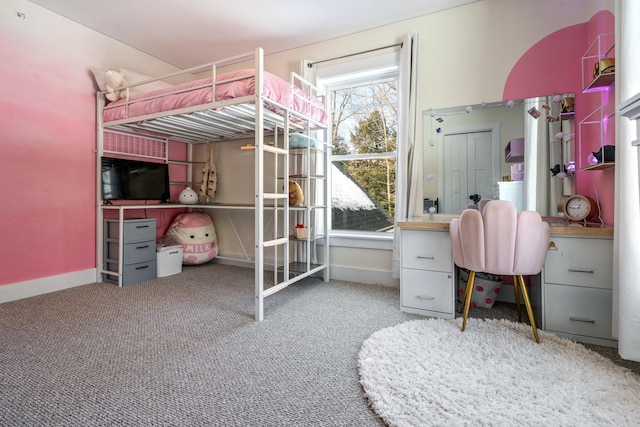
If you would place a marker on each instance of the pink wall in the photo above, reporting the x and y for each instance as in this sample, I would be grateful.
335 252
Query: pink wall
47 143
554 66
47 167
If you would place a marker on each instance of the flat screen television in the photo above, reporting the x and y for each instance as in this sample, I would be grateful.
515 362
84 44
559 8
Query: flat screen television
124 179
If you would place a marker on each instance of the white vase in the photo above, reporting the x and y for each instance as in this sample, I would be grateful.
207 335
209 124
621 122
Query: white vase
188 197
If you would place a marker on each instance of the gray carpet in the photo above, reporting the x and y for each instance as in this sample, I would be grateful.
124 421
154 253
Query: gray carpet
185 351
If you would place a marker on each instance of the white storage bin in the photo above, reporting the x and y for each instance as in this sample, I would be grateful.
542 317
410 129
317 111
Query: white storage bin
168 257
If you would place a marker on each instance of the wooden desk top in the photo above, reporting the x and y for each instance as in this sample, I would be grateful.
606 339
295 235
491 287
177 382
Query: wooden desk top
557 226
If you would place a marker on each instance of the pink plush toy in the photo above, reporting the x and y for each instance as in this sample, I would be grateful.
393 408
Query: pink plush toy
198 237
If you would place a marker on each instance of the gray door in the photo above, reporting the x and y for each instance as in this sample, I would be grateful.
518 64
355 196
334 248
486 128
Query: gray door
467 169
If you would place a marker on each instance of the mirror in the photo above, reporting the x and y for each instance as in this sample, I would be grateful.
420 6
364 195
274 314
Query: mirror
520 150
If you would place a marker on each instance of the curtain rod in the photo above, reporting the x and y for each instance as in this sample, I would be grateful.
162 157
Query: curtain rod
311 64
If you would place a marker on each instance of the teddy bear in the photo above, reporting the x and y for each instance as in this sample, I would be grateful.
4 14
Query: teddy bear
296 197
115 79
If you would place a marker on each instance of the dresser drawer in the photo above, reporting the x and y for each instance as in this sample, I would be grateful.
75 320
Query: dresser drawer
133 252
135 273
426 250
582 262
577 310
134 230
427 290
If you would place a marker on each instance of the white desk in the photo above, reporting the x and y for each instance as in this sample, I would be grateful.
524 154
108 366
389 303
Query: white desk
572 297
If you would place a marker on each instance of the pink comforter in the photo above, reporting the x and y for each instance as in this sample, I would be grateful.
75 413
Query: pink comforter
275 89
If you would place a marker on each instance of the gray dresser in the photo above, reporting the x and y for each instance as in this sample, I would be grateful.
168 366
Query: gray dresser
130 255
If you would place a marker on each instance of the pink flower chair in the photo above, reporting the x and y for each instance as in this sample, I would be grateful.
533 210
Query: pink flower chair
500 241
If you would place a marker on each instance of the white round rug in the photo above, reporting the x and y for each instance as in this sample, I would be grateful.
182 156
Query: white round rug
428 373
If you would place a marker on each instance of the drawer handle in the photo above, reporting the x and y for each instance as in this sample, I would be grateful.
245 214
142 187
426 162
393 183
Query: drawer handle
142 268
142 226
427 297
425 257
142 247
581 319
577 270
174 252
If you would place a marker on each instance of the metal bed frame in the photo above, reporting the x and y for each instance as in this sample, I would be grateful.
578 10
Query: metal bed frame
252 116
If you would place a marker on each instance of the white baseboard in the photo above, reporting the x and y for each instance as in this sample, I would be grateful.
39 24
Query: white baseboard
350 274
359 275
32 288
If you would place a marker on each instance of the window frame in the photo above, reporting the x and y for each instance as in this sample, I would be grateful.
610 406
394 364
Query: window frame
383 68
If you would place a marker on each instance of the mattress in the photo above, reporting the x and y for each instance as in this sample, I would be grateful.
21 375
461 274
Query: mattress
232 85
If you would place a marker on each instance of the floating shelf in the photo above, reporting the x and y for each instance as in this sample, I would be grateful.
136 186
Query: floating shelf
596 131
602 47
514 151
599 166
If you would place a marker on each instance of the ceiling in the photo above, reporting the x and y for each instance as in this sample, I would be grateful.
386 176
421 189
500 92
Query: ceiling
187 33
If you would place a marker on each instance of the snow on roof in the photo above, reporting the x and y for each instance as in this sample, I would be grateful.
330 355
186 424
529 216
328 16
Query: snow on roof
346 194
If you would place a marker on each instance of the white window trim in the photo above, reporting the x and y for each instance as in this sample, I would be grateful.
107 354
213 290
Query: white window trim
332 77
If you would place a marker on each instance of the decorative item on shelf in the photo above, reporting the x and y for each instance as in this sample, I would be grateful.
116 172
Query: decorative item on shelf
296 196
609 154
568 104
558 171
570 167
578 208
517 172
209 184
604 66
301 232
188 197
301 141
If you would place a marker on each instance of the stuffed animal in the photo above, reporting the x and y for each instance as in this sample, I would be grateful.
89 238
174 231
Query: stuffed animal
188 197
296 197
197 234
115 79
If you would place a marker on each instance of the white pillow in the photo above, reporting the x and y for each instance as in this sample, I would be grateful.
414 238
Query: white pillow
134 77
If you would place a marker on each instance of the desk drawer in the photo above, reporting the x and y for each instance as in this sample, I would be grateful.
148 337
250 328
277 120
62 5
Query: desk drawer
426 250
581 262
427 290
577 310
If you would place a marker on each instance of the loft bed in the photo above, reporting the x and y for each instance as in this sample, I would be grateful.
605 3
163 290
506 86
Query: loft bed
231 106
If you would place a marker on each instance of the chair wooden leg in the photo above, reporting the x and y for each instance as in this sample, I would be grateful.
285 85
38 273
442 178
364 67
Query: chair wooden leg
516 295
527 303
467 298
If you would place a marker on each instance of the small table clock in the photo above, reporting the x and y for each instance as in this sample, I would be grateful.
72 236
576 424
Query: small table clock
578 208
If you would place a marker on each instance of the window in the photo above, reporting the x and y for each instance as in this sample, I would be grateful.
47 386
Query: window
364 127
